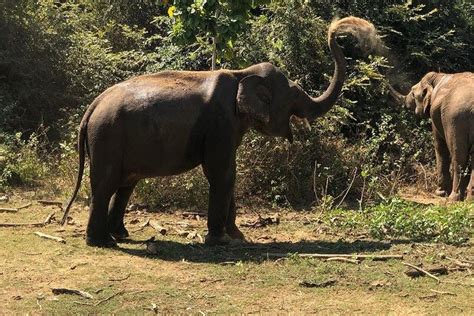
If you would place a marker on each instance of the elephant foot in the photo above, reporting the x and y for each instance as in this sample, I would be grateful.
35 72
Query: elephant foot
441 193
102 242
455 197
212 240
119 233
235 233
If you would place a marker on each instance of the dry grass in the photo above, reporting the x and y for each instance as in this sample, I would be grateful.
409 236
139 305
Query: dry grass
186 277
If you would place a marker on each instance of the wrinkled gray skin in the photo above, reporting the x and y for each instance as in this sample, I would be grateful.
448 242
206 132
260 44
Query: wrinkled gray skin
448 99
170 122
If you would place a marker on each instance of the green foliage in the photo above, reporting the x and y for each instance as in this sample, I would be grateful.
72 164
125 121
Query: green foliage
56 56
221 21
400 219
397 218
20 160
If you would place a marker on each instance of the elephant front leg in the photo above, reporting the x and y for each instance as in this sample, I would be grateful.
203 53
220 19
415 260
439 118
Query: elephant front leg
221 177
443 163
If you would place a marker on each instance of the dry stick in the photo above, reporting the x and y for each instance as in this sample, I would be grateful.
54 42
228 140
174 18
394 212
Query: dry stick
40 224
24 206
342 259
108 298
154 224
58 239
460 263
326 256
61 290
120 279
421 270
442 292
348 188
46 202
8 210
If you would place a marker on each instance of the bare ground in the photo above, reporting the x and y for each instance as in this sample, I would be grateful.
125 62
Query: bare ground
184 276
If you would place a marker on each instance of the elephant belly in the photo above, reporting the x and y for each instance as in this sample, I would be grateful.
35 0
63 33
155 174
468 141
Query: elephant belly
163 147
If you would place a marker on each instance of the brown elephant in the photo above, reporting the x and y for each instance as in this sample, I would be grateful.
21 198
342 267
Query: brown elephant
448 99
170 122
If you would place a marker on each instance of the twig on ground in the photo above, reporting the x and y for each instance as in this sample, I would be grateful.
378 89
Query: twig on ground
48 218
154 224
58 239
120 279
421 270
24 206
461 262
355 261
46 202
109 298
442 292
39 224
63 290
8 210
325 256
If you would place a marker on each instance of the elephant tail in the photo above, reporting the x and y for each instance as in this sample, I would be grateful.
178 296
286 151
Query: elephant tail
81 144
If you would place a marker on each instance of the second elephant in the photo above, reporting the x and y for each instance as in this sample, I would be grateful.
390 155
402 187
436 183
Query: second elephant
448 99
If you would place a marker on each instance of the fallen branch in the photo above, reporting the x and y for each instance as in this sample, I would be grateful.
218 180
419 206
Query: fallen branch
62 290
154 224
120 279
46 221
8 210
58 239
108 298
46 202
442 270
326 256
342 259
24 206
421 270
461 262
442 292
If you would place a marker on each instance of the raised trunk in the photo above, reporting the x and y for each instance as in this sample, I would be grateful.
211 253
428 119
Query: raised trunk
311 108
399 98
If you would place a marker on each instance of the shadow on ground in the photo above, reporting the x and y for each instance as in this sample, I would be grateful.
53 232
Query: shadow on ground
199 253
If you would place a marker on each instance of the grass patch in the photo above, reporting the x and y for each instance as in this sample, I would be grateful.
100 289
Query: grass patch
396 218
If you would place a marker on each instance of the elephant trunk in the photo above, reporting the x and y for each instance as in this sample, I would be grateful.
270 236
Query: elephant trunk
311 108
399 98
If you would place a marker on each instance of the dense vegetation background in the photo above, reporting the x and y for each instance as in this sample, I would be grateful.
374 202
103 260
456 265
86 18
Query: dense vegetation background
57 55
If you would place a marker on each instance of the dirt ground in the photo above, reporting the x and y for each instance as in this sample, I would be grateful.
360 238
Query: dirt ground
181 275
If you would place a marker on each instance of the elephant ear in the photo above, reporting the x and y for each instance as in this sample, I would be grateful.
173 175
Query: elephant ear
427 100
254 98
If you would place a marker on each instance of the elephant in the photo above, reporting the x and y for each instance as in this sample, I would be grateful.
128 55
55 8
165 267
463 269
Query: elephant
169 122
448 99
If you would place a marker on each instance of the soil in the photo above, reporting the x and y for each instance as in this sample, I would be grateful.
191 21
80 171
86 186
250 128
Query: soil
181 275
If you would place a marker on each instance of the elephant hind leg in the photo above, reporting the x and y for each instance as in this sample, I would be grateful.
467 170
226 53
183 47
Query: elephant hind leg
470 187
461 169
104 182
443 162
117 206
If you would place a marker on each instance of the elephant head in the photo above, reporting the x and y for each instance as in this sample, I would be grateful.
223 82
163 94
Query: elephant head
418 100
269 99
